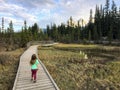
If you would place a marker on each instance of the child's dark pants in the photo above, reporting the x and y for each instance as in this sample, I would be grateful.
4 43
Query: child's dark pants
34 71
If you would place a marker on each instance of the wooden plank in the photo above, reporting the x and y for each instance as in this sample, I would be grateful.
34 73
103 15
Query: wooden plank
50 88
21 81
46 85
32 84
29 82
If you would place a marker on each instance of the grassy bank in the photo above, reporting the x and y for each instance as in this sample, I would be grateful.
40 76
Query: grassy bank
71 71
8 68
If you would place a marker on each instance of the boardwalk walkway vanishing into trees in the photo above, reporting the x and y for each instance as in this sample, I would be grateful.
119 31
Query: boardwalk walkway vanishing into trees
22 81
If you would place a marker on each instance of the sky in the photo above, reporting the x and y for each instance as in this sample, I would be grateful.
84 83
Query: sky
45 12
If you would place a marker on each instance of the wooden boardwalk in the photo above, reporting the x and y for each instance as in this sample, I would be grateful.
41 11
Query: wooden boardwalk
23 82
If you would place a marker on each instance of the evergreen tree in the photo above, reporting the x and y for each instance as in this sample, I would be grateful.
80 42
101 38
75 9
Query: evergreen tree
0 30
71 22
48 30
30 33
118 24
2 24
35 30
55 32
110 35
95 33
90 26
114 21
107 22
98 22
89 35
91 18
0 34
78 31
107 5
26 37
102 22
9 37
11 33
23 39
62 29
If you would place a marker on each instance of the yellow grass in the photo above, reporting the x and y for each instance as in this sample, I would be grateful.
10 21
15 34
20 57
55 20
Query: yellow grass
8 67
71 72
75 45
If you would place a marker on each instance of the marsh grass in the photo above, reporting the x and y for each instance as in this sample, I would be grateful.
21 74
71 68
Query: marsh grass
101 71
8 68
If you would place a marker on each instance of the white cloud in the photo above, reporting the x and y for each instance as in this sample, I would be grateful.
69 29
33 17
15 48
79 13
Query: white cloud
15 22
1 1
33 4
16 13
78 8
46 11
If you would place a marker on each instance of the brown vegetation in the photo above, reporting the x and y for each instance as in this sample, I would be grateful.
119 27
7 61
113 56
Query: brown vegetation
8 67
72 72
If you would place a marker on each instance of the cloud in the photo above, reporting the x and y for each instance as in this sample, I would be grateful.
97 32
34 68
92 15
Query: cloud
1 1
45 12
6 7
15 13
14 21
33 4
78 8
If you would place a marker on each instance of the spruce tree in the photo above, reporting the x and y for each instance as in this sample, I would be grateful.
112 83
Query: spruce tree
35 30
110 35
90 26
0 34
119 24
107 23
11 32
89 35
48 30
26 37
114 20
95 33
2 24
55 32
78 31
97 21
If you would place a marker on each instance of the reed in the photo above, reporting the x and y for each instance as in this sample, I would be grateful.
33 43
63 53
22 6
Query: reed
83 67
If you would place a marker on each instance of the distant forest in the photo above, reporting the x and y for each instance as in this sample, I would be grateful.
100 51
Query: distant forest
106 26
103 26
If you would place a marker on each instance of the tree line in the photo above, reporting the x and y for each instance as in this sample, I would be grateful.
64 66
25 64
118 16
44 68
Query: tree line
13 40
104 25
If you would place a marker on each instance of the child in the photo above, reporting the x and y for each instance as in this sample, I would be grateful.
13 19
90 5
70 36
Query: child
34 67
